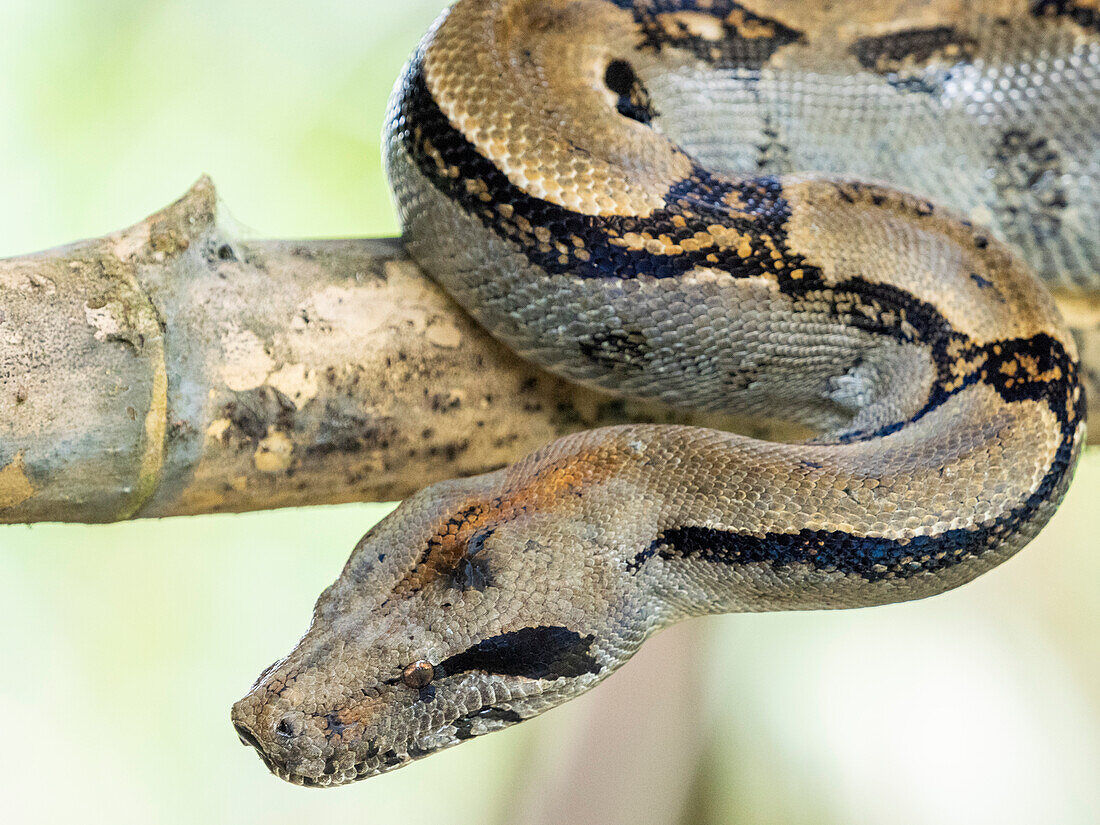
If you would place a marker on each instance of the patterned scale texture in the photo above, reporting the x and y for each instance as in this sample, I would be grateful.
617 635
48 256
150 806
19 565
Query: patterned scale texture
829 213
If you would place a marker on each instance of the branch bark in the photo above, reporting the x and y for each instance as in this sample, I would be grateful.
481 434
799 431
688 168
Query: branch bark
174 368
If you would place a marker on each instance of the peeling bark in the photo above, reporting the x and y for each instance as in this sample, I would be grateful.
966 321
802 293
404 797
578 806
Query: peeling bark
173 369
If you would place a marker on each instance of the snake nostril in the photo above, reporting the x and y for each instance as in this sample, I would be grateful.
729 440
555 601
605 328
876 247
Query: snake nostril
288 727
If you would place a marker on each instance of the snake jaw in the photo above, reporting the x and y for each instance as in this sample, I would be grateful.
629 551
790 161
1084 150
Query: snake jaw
307 739
308 753
427 639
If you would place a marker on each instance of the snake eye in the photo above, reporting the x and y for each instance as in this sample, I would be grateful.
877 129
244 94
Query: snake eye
418 675
633 101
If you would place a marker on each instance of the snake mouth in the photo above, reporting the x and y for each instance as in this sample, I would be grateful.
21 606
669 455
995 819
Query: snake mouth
330 775
248 739
362 771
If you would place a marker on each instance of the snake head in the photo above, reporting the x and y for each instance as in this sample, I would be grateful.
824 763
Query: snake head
457 615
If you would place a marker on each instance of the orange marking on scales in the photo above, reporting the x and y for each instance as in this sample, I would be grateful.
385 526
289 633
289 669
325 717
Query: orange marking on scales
356 715
547 488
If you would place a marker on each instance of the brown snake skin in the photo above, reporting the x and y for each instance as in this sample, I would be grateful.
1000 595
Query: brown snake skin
643 196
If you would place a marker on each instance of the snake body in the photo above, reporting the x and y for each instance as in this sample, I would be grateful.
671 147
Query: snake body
608 187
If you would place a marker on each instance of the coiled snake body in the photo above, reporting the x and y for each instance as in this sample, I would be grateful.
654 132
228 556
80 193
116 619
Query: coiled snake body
611 188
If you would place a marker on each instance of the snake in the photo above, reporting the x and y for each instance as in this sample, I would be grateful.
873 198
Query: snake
833 213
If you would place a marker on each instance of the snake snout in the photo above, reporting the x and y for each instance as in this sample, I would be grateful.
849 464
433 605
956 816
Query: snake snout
252 731
282 742
247 737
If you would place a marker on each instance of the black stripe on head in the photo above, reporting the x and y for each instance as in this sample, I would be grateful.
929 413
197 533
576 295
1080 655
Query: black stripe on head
745 40
1084 13
532 652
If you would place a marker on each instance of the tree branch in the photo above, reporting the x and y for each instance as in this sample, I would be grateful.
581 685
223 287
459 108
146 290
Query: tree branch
173 368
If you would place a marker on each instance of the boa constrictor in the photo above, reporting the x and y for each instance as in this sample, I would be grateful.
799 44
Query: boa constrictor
646 195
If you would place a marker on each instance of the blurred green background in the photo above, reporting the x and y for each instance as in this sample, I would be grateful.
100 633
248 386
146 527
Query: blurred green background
122 647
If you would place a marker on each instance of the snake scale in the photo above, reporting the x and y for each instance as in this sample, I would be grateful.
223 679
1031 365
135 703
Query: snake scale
826 211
